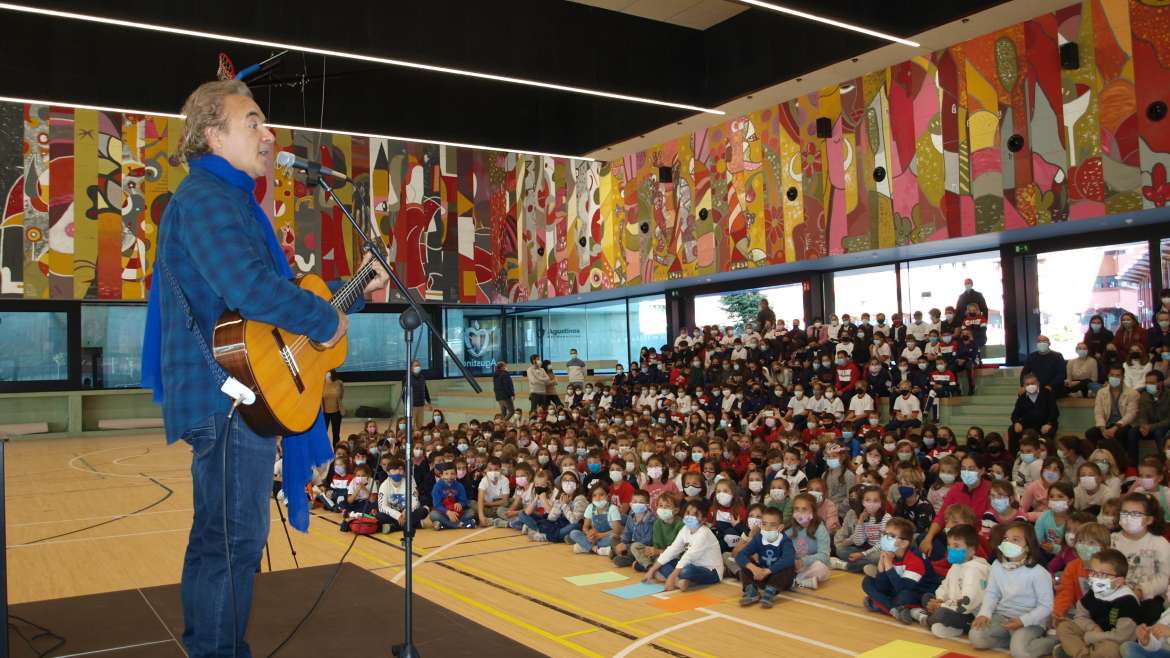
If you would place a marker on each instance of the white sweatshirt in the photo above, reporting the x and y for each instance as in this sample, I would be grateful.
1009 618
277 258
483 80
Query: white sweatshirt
698 547
964 581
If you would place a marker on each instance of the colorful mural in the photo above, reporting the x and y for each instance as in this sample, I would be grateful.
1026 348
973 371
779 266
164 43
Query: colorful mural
987 135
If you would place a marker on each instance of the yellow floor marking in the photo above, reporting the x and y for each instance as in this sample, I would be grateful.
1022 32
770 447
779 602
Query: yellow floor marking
586 631
496 612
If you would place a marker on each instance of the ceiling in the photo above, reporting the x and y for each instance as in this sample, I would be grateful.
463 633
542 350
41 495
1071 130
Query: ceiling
688 56
695 14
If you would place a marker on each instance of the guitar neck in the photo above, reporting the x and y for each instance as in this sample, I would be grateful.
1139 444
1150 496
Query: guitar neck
349 293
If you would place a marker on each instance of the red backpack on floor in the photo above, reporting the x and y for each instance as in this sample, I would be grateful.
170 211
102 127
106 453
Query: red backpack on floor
363 525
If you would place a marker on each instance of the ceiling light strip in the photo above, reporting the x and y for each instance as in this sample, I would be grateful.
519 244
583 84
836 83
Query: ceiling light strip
830 21
122 110
353 56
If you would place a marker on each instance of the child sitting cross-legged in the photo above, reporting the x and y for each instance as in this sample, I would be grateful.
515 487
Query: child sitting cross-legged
392 500
450 508
768 561
951 608
1017 604
541 503
693 558
1105 615
810 537
903 575
1091 538
1151 641
637 529
602 525
755 521
666 528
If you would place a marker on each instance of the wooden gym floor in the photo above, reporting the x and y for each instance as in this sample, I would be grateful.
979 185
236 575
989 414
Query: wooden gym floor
139 490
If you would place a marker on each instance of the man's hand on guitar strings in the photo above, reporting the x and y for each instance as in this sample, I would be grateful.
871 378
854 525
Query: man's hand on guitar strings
381 278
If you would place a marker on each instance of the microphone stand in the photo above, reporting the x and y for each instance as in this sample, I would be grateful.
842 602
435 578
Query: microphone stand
410 319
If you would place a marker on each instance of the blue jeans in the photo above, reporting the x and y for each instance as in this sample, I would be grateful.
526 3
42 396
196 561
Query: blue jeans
1134 650
206 590
446 522
691 573
578 537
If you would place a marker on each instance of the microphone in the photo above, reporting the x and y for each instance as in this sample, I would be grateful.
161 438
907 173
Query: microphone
287 160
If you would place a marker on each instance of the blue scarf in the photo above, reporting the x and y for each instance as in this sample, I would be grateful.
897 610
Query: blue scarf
301 451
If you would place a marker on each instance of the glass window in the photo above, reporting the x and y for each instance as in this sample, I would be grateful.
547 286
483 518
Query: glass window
111 342
525 334
938 283
647 323
34 346
375 343
475 336
1076 284
605 329
566 329
870 290
735 307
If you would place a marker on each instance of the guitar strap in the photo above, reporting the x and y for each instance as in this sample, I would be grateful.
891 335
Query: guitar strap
217 370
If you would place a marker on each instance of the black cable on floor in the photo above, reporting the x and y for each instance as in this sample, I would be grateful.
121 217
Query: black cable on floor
44 633
168 494
324 590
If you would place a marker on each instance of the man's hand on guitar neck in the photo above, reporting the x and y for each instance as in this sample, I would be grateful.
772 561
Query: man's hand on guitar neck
380 281
342 327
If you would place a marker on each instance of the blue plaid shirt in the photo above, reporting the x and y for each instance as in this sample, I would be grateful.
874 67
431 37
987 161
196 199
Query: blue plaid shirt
218 254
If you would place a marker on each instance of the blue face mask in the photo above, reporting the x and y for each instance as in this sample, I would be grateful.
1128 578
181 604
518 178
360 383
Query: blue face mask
638 508
906 492
833 463
396 477
956 555
888 544
691 522
581 452
1001 504
594 468
970 478
1028 457
1115 382
846 435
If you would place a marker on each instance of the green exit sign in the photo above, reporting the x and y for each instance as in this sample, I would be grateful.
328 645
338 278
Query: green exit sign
1023 248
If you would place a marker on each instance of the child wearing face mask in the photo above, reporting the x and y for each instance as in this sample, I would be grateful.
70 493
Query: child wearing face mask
656 480
863 549
1017 604
1050 526
779 496
693 558
360 495
1068 551
791 471
522 495
601 526
621 492
901 576
948 473
838 477
638 528
1140 539
667 524
755 520
334 489
1003 508
767 562
536 510
726 515
810 538
825 508
1104 617
1093 489
949 610
1034 497
755 487
911 505
841 538
1150 482
449 505
392 500
566 513
1091 538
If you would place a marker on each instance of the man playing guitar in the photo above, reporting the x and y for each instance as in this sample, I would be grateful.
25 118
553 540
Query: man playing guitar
217 251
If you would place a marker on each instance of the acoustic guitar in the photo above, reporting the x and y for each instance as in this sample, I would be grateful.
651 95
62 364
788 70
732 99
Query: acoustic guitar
285 370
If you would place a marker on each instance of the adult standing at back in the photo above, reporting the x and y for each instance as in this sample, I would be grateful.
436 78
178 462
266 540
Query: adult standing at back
505 390
1047 365
421 397
766 314
576 368
538 381
332 403
970 296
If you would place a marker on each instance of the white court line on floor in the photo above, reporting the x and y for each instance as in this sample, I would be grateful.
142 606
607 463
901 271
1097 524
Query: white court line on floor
398 576
72 463
161 622
773 631
99 538
121 648
99 518
643 641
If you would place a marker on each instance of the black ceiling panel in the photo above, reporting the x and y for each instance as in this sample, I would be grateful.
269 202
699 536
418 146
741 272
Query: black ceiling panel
548 40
